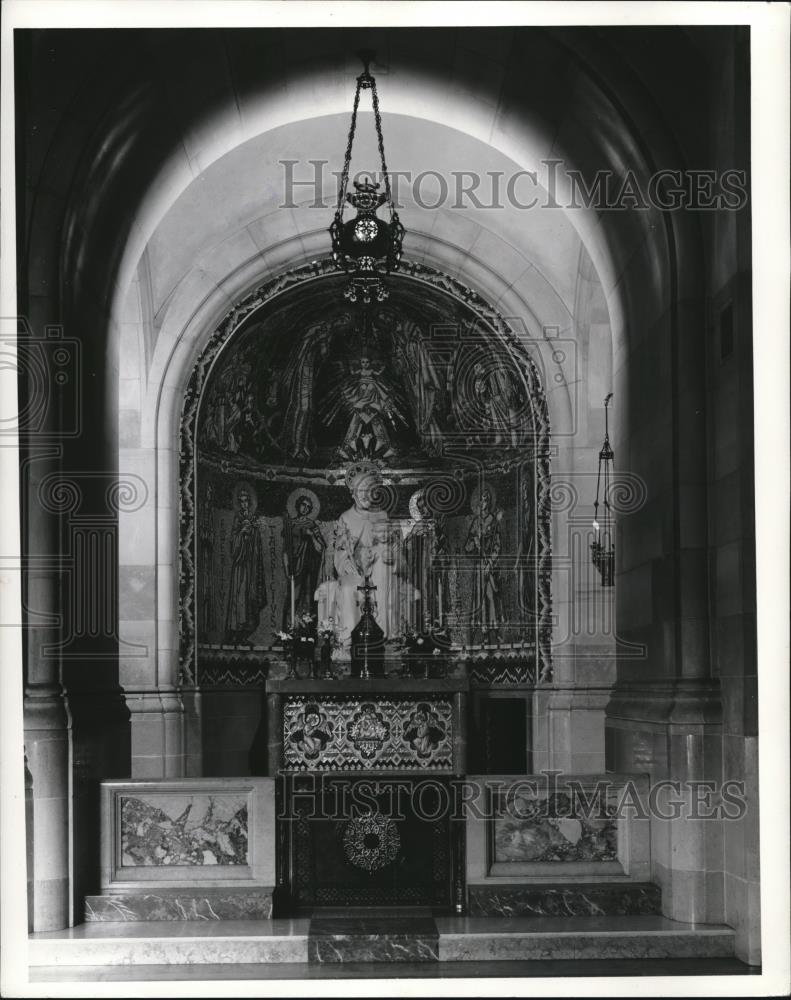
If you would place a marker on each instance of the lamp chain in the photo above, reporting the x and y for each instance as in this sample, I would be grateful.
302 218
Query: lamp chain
378 121
348 158
365 81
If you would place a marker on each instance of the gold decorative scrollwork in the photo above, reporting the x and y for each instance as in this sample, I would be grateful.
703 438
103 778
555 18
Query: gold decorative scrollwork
371 842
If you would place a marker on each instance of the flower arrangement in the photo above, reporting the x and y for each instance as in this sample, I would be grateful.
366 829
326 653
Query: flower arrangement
329 643
327 633
299 641
300 636
424 651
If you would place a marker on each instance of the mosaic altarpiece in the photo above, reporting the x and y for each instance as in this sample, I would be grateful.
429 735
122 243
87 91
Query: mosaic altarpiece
436 394
321 445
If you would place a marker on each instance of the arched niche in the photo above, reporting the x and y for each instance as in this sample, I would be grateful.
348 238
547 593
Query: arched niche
269 410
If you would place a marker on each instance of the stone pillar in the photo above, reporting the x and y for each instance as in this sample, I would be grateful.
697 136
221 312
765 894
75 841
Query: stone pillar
584 642
157 732
664 717
47 748
46 717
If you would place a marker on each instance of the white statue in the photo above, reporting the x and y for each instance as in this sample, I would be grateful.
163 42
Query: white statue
366 545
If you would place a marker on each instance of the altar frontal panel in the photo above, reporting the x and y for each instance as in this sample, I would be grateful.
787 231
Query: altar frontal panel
359 733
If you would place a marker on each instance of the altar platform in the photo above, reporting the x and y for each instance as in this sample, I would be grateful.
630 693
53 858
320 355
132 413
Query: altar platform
412 943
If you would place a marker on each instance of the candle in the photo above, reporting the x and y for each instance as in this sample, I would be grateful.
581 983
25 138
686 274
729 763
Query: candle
439 599
293 616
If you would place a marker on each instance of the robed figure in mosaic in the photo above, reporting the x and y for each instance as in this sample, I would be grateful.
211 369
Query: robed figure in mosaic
423 549
299 378
485 544
303 552
247 591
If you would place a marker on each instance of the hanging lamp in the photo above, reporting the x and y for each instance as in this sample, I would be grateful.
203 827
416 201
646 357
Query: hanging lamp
366 247
603 547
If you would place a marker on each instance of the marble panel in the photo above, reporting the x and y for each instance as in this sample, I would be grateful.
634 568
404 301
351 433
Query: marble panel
573 901
584 828
370 939
236 905
551 828
187 833
184 830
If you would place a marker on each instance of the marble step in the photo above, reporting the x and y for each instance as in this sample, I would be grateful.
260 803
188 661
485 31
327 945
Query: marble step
455 939
373 939
595 900
568 938
172 943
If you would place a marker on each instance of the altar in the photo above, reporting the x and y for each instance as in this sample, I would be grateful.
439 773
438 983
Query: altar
365 805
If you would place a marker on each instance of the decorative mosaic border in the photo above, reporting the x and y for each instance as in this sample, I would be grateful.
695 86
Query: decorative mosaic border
263 295
503 671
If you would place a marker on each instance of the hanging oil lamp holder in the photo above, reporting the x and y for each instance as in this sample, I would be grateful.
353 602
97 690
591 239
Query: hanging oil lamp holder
366 247
603 547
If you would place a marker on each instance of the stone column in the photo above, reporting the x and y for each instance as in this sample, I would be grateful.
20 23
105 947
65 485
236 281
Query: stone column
47 747
47 725
664 717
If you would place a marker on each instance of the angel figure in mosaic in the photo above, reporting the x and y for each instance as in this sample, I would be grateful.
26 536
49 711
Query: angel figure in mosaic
299 380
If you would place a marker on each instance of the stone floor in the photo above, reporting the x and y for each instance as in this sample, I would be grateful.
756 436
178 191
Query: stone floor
392 970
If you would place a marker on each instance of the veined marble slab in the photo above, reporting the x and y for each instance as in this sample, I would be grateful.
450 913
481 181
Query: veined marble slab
487 938
418 939
236 904
604 899
535 828
173 943
196 835
373 939
196 829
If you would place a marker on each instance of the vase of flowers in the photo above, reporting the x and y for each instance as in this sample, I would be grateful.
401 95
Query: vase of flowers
299 642
424 653
328 639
